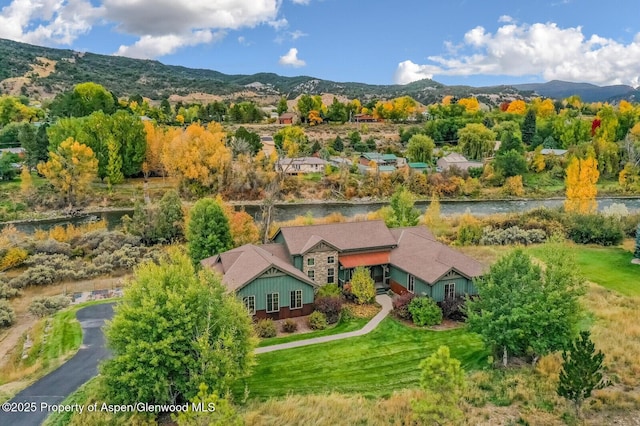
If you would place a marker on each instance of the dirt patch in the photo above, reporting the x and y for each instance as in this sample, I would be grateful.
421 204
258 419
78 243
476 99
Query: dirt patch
303 326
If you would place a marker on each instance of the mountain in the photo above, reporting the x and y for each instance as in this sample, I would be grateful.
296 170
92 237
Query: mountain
588 92
45 72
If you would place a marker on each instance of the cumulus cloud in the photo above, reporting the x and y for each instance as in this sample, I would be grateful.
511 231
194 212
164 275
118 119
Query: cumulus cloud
58 22
540 49
149 47
291 59
300 1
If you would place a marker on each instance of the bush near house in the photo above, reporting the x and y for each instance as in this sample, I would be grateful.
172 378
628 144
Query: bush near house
401 305
453 308
330 306
289 325
265 328
329 290
317 321
424 311
45 306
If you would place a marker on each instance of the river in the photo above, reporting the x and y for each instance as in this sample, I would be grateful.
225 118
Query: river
285 212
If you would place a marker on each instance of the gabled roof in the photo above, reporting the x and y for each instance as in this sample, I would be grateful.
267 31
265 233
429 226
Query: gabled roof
302 160
418 165
242 265
419 254
454 157
348 236
549 151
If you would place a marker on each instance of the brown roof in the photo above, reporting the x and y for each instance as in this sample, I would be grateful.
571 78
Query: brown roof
242 265
347 236
419 254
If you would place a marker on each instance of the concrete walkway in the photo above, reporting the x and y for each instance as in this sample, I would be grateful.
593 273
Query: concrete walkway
383 300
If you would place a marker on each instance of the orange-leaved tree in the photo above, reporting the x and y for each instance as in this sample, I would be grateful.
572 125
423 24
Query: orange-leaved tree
582 176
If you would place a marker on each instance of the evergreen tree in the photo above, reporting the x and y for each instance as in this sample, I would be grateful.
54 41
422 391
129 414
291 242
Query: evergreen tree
636 253
529 127
208 231
338 145
169 220
581 372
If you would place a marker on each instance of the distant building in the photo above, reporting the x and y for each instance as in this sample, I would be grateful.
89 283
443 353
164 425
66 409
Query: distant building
301 165
556 152
418 166
457 160
287 118
364 118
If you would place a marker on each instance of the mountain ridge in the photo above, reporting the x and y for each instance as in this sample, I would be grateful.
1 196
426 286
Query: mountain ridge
45 72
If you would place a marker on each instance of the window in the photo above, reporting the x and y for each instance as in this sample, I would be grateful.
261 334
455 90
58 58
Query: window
331 260
411 283
311 261
450 290
311 274
331 272
296 299
273 302
250 304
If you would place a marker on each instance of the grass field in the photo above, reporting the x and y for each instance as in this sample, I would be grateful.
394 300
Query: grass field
344 326
376 364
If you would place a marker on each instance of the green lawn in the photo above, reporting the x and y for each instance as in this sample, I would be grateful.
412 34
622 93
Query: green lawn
376 364
343 326
610 267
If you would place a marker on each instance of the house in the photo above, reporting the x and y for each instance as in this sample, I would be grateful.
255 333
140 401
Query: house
364 118
287 118
302 258
556 152
385 163
301 165
457 160
418 167
19 151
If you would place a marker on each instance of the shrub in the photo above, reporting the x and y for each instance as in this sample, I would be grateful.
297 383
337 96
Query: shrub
7 292
330 306
7 315
51 246
401 305
595 229
289 325
45 306
469 234
362 285
453 308
424 311
317 321
513 186
329 290
512 235
13 257
265 328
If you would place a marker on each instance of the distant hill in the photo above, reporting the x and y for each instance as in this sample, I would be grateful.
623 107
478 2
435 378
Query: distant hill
44 72
588 92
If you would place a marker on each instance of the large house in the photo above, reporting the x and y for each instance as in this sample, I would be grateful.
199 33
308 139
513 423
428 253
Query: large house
278 280
301 165
457 160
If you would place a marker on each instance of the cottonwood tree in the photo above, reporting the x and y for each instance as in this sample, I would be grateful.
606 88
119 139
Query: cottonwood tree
208 231
442 379
401 210
173 330
420 148
70 169
581 372
476 141
581 180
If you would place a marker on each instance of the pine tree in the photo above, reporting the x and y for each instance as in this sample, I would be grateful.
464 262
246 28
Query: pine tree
581 372
529 127
208 231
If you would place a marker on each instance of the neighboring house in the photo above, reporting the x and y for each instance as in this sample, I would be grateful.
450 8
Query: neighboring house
301 165
19 151
364 118
418 167
304 257
287 118
556 152
457 160
268 145
385 163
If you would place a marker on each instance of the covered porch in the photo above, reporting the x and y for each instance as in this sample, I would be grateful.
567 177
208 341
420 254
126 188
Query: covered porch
377 263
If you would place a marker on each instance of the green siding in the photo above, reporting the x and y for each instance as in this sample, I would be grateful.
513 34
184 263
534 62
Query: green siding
279 238
400 276
297 262
283 284
436 291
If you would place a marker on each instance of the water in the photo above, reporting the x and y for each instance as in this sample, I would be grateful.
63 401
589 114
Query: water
290 211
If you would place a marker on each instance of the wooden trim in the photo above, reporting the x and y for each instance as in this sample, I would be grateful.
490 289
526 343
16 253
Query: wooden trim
397 288
285 312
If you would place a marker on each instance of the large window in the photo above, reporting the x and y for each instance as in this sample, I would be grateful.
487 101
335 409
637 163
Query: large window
450 290
411 283
331 260
250 304
273 302
311 261
331 273
296 299
311 274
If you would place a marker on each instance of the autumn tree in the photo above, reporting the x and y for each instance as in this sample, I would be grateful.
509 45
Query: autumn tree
420 148
476 141
114 166
292 141
84 99
196 332
314 117
401 210
470 104
70 169
362 285
582 177
241 225
517 107
208 230
26 182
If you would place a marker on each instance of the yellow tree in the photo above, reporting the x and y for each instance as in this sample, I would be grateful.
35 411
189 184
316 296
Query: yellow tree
241 224
198 156
517 107
26 182
546 109
70 169
471 104
581 180
314 117
157 138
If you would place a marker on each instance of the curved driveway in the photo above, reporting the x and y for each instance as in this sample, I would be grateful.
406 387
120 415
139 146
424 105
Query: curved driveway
53 388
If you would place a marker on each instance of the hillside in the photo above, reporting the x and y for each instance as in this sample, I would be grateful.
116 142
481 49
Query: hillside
44 72
588 92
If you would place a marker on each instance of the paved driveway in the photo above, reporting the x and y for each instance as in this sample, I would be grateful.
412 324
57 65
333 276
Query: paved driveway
53 388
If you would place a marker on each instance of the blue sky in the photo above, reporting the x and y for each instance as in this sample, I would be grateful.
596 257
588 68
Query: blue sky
378 42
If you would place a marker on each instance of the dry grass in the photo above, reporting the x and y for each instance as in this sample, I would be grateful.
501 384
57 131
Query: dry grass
362 311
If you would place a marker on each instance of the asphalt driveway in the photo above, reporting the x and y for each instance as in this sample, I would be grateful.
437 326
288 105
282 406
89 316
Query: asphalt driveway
53 388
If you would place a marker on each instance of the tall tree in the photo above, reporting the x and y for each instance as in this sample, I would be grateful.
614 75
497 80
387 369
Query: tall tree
420 148
582 177
528 128
442 379
70 169
252 138
401 210
636 252
84 99
129 131
282 106
208 230
196 333
581 372
169 219
476 141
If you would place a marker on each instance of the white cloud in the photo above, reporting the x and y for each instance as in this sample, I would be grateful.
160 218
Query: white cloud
149 47
59 21
301 1
506 18
539 49
291 59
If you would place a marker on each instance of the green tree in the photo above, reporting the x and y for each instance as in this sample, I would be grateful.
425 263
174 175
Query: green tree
252 138
208 230
169 220
516 299
7 171
305 105
282 106
337 111
476 141
195 332
114 166
338 145
528 128
511 163
401 211
581 372
217 411
35 143
420 149
442 379
362 285
84 99
128 130
636 253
